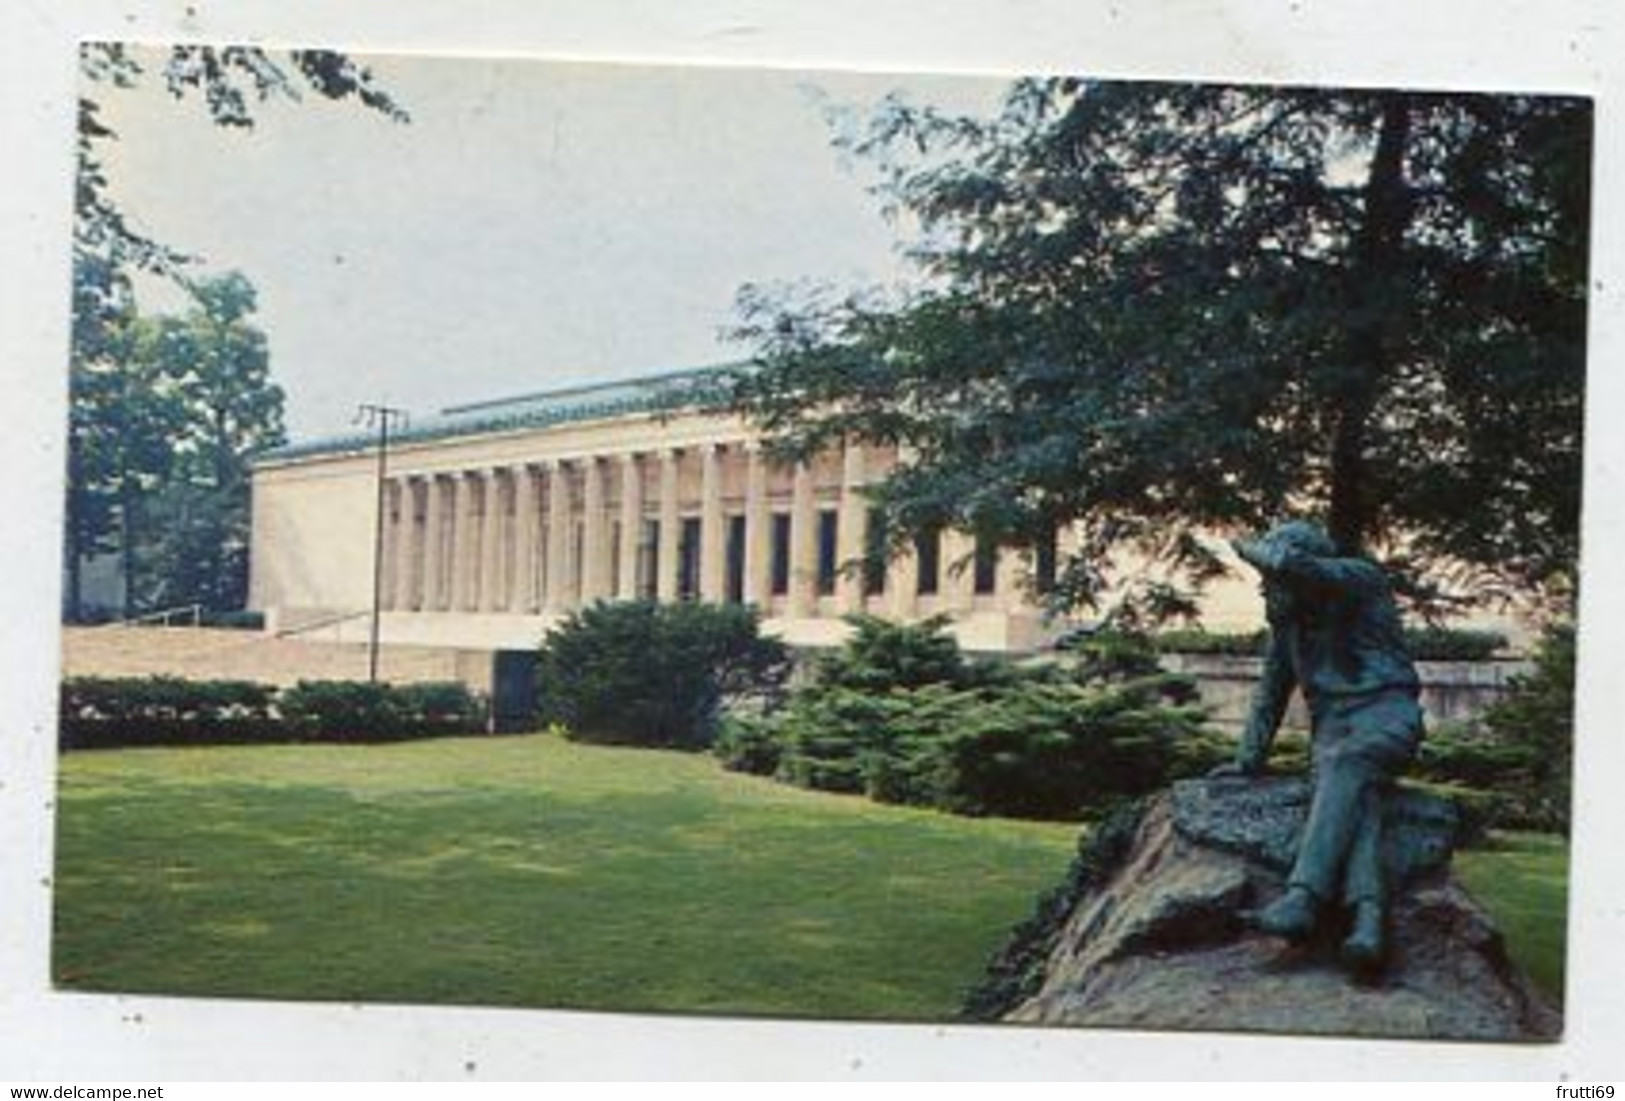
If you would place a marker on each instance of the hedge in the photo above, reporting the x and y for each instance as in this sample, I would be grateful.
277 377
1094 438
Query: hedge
1424 643
110 712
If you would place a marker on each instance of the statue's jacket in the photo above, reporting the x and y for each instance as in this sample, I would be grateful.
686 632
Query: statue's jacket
1341 641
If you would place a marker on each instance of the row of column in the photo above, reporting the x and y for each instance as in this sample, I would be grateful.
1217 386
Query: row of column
522 538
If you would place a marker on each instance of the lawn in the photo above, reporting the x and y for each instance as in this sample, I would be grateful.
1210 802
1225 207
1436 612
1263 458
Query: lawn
525 871
531 871
1522 879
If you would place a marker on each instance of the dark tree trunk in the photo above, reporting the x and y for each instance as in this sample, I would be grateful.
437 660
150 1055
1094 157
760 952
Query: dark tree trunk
1375 271
126 549
75 596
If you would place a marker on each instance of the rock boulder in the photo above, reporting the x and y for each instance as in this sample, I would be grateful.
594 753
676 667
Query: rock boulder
1150 932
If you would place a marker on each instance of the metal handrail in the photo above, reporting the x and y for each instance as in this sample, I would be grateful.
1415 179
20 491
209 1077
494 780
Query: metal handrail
318 624
161 617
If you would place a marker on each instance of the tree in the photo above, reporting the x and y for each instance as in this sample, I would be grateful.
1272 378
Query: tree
1154 310
232 81
125 408
217 365
162 422
122 414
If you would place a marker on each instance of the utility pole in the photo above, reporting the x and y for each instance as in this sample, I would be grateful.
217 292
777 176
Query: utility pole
378 416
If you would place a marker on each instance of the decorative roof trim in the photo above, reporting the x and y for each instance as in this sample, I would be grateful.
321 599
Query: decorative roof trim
693 388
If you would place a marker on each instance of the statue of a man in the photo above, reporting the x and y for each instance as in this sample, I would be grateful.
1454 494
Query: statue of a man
1335 634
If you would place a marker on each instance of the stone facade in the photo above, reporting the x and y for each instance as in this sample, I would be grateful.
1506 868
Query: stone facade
500 518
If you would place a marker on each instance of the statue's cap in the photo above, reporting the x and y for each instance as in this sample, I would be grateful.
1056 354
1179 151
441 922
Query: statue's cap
1301 535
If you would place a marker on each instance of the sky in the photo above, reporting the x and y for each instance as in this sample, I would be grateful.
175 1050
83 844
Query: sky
536 224
1555 45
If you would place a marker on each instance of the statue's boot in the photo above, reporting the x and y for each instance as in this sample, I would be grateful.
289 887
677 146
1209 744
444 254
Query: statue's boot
1363 948
1291 916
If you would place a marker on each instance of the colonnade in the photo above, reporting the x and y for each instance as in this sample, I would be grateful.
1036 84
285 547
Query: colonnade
714 522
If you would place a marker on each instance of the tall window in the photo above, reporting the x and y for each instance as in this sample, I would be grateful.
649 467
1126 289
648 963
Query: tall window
688 560
928 554
779 579
734 585
578 576
987 565
874 554
1046 556
828 530
649 561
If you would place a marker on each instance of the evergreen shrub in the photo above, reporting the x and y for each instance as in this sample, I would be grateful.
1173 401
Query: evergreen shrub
642 673
899 715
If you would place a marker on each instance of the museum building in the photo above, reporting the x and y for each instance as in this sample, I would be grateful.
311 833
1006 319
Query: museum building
500 517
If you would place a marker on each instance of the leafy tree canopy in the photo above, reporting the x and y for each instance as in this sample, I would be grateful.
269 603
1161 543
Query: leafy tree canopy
1153 310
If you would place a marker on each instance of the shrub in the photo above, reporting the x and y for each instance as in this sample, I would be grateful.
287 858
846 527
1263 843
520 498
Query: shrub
434 708
882 655
830 734
1033 745
1518 764
1065 751
748 743
236 621
1424 643
1231 643
1453 644
1538 714
357 711
641 673
105 712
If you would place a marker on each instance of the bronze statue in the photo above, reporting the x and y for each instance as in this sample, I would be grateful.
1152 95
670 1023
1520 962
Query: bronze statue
1335 634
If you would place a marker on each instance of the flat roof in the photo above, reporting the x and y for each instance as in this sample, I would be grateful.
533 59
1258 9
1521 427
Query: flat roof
689 388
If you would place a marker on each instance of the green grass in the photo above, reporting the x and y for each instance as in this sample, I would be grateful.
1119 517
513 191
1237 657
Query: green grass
530 871
525 871
1522 879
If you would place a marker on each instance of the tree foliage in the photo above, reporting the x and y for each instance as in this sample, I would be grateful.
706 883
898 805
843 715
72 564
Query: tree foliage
1153 310
163 411
162 422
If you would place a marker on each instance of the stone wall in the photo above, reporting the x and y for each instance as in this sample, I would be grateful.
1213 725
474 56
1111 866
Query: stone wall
207 654
1452 691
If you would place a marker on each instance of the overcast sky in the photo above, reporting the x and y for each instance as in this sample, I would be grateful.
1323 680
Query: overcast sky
536 224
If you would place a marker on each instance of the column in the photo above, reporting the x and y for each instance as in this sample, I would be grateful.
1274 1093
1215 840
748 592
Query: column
406 538
465 562
758 527
631 525
490 579
852 531
713 543
525 596
434 545
958 571
670 523
558 537
1007 578
388 505
903 573
903 583
594 565
803 544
